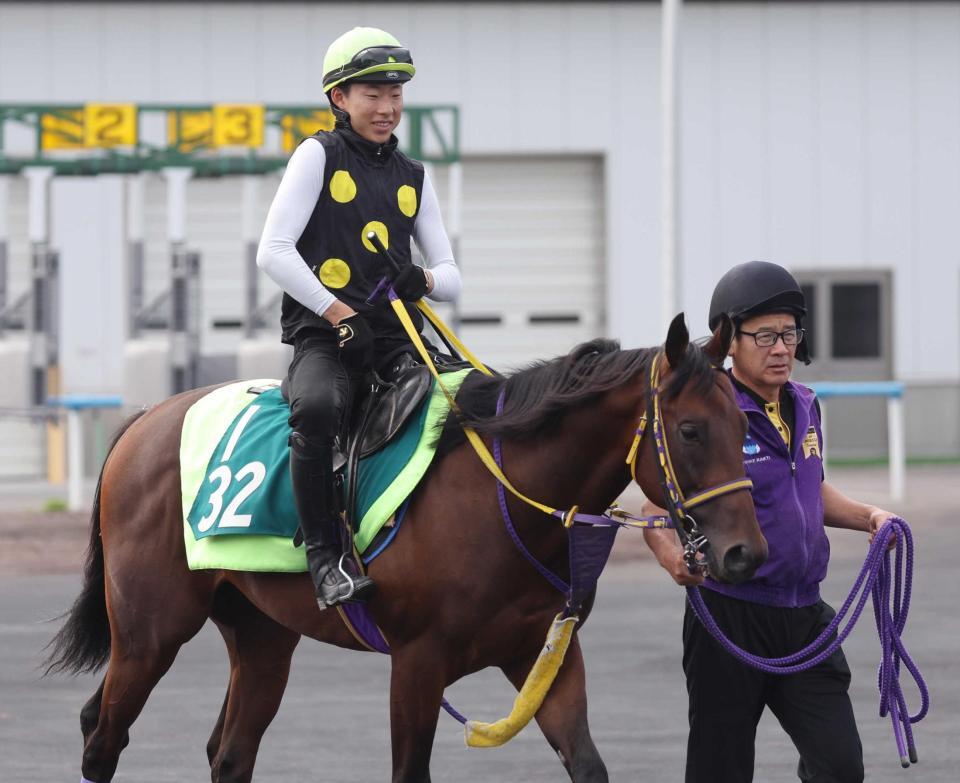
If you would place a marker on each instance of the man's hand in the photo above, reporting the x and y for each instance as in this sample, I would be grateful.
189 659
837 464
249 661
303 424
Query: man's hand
676 566
665 547
875 521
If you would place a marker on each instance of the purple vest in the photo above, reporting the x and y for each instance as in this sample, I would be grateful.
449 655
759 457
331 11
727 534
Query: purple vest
786 494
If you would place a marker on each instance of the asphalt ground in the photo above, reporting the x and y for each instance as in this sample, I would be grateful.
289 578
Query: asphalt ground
334 724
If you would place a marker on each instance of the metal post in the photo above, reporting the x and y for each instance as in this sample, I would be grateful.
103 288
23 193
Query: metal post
250 232
181 358
897 448
184 318
135 258
74 460
669 159
43 275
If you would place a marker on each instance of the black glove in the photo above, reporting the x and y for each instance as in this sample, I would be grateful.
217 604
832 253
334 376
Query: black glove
355 340
411 283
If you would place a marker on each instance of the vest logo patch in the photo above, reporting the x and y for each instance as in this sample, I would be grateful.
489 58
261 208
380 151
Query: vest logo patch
811 443
750 446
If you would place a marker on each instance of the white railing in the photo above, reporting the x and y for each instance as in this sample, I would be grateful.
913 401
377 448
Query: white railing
896 437
75 405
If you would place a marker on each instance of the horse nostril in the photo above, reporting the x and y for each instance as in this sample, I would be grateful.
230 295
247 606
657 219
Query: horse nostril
738 564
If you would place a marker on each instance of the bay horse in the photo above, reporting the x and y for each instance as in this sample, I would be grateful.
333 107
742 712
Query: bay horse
445 609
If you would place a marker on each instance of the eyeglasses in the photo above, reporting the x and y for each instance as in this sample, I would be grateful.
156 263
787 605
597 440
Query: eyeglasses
767 338
375 55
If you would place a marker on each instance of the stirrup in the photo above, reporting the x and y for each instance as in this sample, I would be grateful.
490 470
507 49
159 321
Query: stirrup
342 570
361 583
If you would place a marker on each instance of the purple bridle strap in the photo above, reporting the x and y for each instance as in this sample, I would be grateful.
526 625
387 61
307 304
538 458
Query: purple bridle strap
875 579
605 520
545 572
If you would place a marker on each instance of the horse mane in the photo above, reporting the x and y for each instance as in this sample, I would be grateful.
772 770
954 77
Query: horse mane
540 394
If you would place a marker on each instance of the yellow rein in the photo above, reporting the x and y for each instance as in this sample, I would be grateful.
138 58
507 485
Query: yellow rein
478 445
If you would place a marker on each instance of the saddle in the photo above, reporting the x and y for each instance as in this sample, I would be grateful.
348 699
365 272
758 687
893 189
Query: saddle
393 397
397 388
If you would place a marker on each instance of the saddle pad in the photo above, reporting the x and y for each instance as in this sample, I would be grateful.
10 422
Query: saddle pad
238 506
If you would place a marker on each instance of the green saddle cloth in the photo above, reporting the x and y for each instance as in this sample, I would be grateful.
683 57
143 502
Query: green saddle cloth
238 506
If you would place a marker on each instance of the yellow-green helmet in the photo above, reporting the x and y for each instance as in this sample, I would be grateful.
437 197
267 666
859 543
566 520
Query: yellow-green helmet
366 54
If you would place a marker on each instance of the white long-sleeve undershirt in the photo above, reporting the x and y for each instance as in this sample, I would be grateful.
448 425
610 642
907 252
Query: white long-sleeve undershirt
291 209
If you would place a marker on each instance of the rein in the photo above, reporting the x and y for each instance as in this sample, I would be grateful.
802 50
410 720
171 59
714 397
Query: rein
589 542
890 609
875 576
677 504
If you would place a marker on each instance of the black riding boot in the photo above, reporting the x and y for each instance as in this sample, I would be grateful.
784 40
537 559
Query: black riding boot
334 574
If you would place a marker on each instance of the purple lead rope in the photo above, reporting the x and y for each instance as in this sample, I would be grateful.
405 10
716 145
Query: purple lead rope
874 579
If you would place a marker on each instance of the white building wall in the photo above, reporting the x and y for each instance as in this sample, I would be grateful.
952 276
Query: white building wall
815 134
824 135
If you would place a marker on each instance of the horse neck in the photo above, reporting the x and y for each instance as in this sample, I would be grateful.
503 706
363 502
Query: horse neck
581 463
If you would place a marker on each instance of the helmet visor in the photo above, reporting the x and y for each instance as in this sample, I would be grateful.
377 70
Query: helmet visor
365 59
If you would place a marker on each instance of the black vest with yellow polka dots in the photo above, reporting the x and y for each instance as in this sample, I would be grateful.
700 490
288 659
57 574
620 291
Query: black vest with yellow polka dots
366 187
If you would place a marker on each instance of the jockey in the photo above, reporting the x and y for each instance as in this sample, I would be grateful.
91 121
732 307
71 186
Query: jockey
338 186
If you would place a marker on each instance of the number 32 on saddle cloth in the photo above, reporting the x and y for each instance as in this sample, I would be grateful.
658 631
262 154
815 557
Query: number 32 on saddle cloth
238 507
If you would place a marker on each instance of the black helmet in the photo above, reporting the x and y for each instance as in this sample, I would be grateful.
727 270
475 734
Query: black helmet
758 287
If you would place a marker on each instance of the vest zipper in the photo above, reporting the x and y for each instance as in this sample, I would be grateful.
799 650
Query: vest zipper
805 551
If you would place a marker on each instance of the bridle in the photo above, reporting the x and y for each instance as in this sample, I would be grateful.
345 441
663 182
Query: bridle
678 505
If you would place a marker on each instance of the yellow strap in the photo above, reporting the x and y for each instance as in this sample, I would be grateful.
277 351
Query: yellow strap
710 494
478 445
534 691
635 447
443 329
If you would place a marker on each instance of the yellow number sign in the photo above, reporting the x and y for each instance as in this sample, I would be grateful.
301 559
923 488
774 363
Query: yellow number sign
109 125
299 126
189 130
62 130
238 125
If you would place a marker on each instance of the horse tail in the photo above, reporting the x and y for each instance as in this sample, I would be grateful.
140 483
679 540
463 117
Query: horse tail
83 642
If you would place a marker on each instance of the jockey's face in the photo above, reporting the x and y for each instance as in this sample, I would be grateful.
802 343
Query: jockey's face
374 109
764 370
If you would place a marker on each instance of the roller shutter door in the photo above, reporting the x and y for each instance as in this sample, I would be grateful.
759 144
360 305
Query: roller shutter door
532 255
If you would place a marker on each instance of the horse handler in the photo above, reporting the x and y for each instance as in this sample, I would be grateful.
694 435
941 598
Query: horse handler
779 610
338 187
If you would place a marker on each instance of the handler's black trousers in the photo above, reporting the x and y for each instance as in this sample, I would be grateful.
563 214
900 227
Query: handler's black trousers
727 697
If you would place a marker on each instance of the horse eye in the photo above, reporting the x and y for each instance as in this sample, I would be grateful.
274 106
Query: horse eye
689 433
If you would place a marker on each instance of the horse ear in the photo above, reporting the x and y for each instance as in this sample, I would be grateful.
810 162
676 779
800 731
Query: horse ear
719 345
678 338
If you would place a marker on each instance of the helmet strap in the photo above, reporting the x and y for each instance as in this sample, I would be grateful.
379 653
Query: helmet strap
341 118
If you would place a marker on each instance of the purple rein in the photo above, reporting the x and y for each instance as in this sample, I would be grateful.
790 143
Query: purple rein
890 612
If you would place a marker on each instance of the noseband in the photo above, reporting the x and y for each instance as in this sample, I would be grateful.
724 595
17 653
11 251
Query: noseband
678 505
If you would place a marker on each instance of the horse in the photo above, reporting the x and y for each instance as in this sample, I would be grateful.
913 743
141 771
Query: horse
446 612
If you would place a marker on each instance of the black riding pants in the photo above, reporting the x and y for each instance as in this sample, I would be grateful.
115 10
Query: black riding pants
726 697
320 389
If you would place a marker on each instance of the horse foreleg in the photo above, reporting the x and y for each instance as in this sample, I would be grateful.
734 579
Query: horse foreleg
260 652
563 715
417 680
